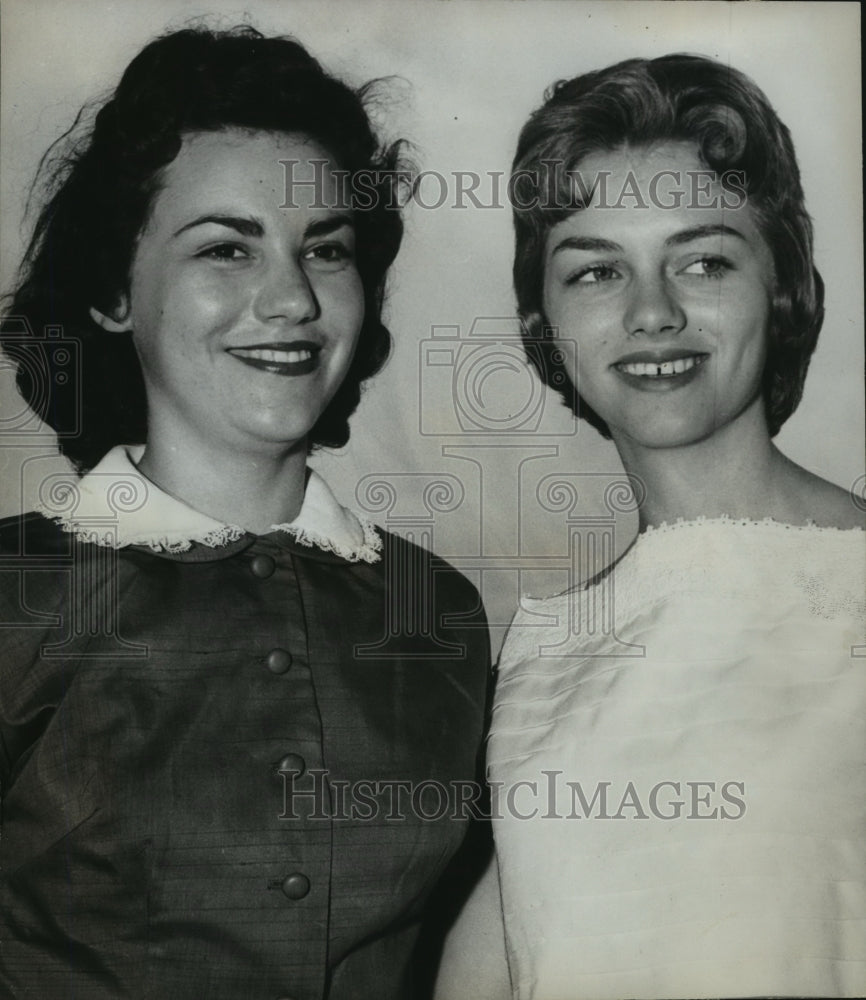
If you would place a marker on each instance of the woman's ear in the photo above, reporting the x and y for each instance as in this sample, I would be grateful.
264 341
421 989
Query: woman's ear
119 320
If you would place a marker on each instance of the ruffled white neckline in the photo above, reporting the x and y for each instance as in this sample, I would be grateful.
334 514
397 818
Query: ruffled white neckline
115 505
724 520
652 546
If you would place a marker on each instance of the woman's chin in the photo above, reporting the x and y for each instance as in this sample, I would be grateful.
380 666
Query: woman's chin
661 435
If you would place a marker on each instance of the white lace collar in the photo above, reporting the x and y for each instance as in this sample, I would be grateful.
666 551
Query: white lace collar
116 505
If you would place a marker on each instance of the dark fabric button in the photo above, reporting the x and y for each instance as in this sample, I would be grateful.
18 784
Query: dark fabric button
293 763
296 886
278 661
262 567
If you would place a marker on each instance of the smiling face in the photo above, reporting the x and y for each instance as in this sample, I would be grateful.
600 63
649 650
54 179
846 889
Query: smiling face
245 315
667 301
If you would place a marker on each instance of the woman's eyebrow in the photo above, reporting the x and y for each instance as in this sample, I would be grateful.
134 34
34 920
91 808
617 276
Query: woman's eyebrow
700 232
321 227
593 243
245 226
253 227
597 245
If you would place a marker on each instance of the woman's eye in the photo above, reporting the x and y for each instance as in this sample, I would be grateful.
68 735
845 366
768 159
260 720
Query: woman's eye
224 252
708 267
329 254
595 274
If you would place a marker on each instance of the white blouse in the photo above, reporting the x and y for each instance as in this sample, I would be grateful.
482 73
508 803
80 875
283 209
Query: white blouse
678 757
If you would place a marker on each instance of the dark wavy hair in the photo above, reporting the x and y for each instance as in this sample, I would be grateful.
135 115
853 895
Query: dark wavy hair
101 179
673 98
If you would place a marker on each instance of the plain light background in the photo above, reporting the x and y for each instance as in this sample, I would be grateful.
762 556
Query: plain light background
466 75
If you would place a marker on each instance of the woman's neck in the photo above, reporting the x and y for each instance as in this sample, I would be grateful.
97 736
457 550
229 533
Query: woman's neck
254 491
737 472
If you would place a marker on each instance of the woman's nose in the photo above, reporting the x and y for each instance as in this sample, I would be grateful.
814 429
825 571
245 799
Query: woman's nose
286 293
653 308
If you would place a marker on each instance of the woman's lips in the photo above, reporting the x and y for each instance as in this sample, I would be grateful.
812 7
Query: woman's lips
295 358
660 372
661 369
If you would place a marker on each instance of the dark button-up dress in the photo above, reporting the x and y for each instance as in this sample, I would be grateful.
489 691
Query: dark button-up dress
228 773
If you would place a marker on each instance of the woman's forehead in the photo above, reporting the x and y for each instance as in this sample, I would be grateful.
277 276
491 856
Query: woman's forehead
641 169
665 185
273 170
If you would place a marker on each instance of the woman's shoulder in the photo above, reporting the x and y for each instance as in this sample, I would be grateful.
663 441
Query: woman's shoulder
419 564
838 508
31 534
817 501
36 556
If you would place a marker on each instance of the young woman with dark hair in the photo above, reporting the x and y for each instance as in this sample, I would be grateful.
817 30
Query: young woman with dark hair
217 709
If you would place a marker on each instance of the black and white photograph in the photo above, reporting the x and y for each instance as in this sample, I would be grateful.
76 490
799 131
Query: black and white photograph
432 500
